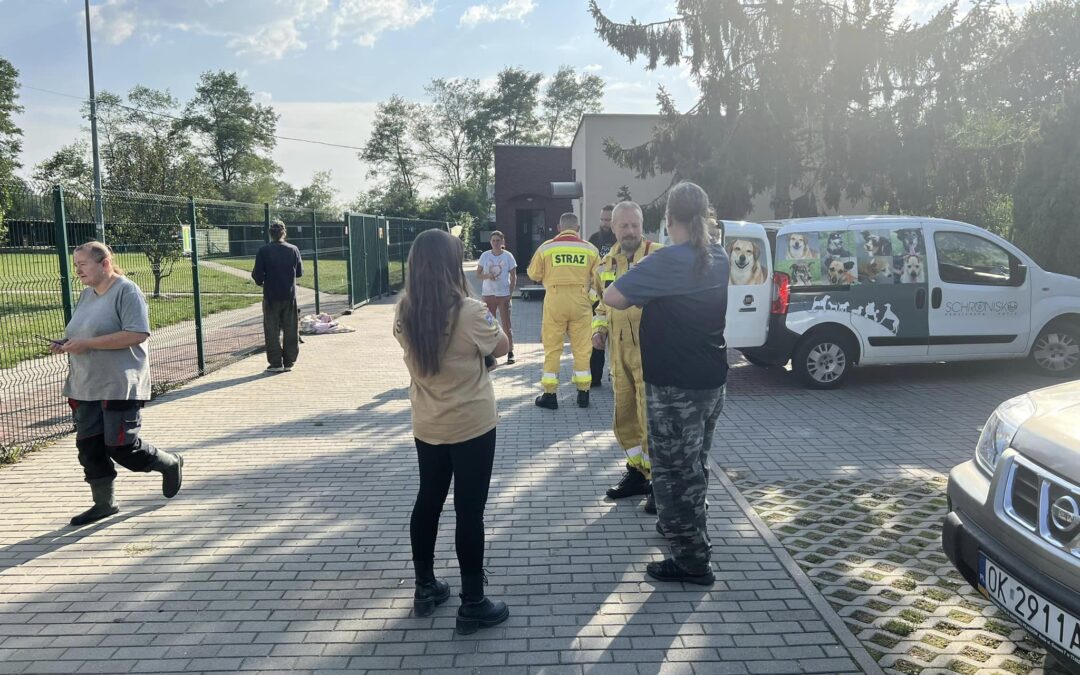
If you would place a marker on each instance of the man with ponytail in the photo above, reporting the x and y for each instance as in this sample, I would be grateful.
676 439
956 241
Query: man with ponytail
682 289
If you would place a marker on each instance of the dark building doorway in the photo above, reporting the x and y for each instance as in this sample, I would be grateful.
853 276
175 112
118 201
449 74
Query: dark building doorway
530 233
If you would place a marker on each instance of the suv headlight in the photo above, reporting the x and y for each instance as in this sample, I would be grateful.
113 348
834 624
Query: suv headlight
1000 430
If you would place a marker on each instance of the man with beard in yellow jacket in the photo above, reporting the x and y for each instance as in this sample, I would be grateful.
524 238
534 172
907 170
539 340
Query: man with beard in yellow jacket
617 330
565 265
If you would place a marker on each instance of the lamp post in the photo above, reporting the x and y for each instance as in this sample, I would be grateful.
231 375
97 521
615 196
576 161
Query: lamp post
99 213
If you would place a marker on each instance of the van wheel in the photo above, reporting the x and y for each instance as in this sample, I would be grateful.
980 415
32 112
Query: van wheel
1056 351
824 360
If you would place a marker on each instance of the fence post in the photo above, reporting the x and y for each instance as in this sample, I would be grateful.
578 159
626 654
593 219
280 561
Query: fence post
266 222
200 349
61 241
315 255
401 250
349 258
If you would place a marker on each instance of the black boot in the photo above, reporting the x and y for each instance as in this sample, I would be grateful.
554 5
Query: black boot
633 483
430 592
477 611
104 503
650 503
549 401
583 399
171 468
510 358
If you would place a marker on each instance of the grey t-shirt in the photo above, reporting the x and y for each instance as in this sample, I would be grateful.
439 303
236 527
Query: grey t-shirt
109 374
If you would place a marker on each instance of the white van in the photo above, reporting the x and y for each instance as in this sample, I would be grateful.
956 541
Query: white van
887 290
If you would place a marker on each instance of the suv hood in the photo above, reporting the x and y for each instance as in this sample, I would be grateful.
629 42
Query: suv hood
1051 436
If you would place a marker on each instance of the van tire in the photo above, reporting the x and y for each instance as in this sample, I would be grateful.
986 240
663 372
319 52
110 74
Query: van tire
824 359
1056 352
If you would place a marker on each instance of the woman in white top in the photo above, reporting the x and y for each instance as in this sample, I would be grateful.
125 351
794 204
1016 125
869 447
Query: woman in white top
498 270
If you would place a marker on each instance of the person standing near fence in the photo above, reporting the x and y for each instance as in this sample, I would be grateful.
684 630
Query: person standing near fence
108 381
497 270
277 266
565 264
683 291
446 336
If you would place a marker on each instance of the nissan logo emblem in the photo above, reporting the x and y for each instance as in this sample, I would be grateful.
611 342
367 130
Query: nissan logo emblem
1065 513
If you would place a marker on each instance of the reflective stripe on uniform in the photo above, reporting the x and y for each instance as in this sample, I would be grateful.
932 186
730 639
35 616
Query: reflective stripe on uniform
607 276
582 376
549 378
600 321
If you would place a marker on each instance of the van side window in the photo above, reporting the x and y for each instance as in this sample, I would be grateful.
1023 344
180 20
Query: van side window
747 260
969 259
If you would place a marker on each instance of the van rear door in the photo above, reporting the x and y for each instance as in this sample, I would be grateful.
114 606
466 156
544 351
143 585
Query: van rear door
750 284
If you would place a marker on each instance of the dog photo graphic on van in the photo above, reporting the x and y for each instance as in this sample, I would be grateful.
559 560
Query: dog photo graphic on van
801 272
909 269
876 243
748 266
876 270
840 271
840 244
909 241
799 246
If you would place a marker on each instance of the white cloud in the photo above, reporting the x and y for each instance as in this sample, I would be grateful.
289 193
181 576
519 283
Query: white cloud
363 21
592 68
511 10
344 123
262 30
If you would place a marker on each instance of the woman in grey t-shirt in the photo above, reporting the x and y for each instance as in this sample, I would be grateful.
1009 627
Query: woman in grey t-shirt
109 381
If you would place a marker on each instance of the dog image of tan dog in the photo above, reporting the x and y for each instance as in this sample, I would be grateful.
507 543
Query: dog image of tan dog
745 258
798 248
839 271
909 269
876 271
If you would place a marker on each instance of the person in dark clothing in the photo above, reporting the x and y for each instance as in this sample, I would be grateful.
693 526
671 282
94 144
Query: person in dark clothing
603 240
683 289
277 265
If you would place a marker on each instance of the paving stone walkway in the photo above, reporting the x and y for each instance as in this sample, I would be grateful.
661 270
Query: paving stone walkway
288 548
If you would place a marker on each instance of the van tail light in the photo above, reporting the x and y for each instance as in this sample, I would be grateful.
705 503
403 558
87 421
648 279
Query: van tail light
781 293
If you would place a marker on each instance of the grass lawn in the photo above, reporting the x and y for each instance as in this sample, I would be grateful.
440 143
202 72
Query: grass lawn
332 273
30 298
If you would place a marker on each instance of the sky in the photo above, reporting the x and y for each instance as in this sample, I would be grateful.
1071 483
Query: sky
322 64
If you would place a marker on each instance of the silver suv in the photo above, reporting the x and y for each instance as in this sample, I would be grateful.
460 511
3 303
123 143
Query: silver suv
1013 528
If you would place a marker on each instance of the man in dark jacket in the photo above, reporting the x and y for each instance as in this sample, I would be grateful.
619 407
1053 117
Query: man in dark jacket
277 265
603 240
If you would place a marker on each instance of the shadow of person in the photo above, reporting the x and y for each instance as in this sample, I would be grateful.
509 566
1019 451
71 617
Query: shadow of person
26 550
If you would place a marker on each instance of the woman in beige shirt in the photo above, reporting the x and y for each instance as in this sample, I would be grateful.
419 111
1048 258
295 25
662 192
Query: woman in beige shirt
446 336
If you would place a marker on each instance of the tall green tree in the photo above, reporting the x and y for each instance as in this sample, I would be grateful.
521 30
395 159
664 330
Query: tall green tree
390 150
813 101
567 97
10 133
235 135
1046 200
69 167
442 128
512 107
319 194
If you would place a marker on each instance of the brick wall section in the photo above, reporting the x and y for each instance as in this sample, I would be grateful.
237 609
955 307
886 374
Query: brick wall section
524 172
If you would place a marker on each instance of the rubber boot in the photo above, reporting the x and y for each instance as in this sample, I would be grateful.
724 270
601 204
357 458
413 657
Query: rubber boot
430 592
104 503
583 399
478 611
171 468
549 401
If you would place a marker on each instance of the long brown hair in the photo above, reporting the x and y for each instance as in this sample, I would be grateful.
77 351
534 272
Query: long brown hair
688 205
434 290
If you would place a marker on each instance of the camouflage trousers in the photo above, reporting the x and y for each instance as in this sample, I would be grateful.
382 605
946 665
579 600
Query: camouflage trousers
681 425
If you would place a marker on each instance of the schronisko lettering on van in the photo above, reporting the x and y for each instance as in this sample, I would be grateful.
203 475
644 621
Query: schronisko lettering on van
981 308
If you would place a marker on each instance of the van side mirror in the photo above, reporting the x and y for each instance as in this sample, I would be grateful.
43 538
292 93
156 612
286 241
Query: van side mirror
1019 275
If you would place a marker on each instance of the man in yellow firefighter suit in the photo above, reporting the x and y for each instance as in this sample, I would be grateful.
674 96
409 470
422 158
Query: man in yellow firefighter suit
617 330
566 265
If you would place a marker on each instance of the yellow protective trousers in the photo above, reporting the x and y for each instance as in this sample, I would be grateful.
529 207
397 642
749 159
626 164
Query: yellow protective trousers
567 311
631 426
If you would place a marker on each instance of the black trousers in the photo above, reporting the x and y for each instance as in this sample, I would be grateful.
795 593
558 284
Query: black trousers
280 320
596 365
469 464
107 432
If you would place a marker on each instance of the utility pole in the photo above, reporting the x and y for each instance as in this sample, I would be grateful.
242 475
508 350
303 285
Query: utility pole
99 213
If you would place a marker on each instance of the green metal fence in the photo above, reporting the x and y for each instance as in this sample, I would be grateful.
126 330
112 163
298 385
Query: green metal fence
205 311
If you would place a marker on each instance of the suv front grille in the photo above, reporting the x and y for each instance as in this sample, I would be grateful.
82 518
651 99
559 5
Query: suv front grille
1030 492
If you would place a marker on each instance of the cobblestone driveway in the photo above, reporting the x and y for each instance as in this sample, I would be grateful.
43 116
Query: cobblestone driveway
852 482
